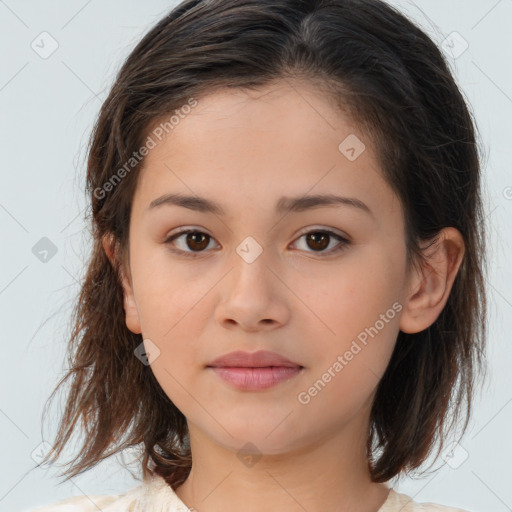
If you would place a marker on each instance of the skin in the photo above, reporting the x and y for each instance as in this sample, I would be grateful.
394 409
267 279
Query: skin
245 150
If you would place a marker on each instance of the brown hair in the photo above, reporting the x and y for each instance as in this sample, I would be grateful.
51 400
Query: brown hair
391 77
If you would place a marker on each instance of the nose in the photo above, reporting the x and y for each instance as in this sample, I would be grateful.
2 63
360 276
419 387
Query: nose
253 297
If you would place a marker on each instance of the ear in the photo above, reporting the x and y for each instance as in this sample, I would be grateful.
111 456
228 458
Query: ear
130 306
430 287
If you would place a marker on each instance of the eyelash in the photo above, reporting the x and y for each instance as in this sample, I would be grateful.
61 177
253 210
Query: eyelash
194 254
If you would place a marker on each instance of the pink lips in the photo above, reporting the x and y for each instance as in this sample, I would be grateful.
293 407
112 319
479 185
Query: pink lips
254 371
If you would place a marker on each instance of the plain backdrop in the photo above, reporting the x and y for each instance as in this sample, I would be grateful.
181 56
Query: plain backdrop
50 94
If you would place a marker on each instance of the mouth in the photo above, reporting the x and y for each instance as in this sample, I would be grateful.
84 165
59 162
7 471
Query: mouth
259 359
255 378
253 371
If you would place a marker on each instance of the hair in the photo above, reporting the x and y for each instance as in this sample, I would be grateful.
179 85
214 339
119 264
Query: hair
392 79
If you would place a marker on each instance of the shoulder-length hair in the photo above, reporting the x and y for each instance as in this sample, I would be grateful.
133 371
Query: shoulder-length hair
386 73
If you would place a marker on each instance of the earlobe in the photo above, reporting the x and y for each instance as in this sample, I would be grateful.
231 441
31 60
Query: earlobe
130 306
432 284
108 246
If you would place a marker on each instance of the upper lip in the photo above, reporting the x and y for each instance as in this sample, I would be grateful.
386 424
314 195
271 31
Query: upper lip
260 359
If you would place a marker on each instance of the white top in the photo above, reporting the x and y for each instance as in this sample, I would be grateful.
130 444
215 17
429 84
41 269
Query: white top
155 495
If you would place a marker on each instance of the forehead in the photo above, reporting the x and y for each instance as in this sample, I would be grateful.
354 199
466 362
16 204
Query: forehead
292 110
257 144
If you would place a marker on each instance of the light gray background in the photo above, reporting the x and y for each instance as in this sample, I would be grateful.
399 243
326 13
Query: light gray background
47 109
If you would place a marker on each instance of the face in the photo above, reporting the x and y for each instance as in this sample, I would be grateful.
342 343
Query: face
320 284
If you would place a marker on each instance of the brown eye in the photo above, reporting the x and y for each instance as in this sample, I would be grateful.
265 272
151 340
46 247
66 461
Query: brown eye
317 240
196 240
194 243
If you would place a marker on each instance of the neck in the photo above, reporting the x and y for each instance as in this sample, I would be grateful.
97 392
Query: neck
329 475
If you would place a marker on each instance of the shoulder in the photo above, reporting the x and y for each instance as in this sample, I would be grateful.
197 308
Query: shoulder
152 494
79 504
397 501
92 503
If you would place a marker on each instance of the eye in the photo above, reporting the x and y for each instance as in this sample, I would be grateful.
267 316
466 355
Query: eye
198 241
319 239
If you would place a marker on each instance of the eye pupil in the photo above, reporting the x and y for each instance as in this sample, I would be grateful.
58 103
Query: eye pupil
191 236
315 237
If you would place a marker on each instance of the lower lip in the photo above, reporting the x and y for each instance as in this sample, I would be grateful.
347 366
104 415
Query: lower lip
252 379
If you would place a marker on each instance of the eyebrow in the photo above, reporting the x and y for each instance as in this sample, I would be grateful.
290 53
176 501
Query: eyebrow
284 204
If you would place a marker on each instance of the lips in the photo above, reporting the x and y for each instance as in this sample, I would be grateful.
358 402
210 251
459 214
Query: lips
260 359
255 379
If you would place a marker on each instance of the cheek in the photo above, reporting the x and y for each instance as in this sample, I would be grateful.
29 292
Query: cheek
352 296
166 292
360 323
173 301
